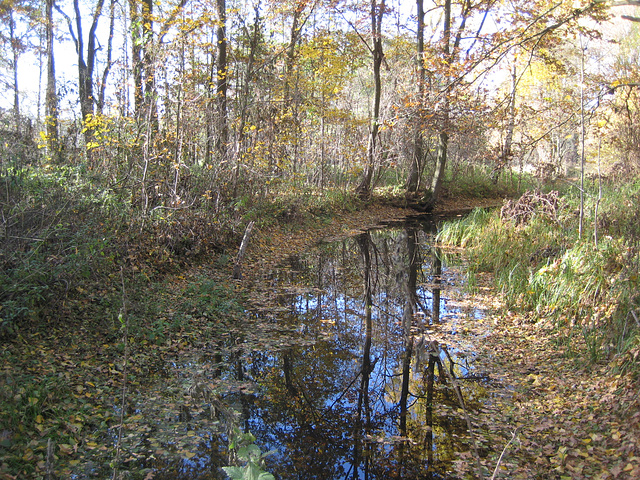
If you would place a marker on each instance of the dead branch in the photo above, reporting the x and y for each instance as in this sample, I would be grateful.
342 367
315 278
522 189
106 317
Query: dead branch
124 324
530 204
495 471
237 273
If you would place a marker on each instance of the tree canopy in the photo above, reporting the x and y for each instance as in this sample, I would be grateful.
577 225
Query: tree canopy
195 100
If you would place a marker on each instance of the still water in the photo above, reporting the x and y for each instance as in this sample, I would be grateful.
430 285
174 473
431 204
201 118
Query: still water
351 365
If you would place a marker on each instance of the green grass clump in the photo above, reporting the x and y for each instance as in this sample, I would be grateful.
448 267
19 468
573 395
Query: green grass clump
585 282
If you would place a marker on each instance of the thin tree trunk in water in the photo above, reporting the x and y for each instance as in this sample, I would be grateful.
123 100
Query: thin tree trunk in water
437 280
367 366
404 391
286 369
363 398
428 440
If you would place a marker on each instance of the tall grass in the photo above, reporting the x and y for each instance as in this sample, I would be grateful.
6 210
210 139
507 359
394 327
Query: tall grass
545 267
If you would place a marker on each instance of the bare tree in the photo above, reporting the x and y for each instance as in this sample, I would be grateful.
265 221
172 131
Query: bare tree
377 14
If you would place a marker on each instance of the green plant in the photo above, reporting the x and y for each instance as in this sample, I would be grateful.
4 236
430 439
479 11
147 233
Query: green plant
544 266
245 451
462 232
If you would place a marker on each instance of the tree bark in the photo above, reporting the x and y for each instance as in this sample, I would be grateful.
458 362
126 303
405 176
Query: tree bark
51 99
15 52
136 58
377 13
416 159
237 268
433 196
438 175
148 65
505 155
105 73
222 81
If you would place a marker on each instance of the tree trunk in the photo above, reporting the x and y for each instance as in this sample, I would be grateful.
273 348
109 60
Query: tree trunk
244 102
433 195
86 67
136 58
148 65
416 159
438 175
51 101
505 155
377 13
222 81
109 63
15 51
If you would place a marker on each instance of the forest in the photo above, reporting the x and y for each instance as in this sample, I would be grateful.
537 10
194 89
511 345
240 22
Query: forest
142 142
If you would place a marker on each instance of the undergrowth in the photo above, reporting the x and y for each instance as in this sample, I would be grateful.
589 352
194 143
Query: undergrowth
587 285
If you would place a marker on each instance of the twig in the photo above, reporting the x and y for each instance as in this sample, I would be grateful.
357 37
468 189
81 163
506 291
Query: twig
50 460
124 323
635 317
495 471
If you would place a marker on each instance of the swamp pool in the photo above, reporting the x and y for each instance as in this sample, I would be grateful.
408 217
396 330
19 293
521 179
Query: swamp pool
351 363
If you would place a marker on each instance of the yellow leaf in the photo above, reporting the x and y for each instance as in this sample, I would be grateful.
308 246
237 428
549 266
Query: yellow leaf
65 449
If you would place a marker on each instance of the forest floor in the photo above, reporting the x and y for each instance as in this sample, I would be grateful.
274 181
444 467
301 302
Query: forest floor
568 418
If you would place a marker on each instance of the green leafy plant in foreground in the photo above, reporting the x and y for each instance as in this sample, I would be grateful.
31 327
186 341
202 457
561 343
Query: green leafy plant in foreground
244 450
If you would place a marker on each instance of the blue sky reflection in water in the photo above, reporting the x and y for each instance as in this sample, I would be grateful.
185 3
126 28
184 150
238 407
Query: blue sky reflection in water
331 402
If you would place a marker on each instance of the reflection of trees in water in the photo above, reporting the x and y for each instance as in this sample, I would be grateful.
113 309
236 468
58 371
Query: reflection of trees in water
322 402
